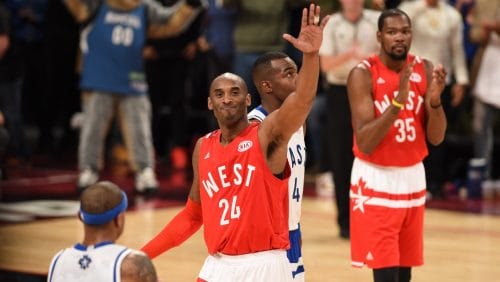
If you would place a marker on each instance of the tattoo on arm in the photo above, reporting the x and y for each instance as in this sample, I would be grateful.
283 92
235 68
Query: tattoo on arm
137 267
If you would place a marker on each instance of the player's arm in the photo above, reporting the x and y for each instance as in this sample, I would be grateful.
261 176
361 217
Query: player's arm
283 122
435 116
170 21
137 267
184 224
81 10
368 130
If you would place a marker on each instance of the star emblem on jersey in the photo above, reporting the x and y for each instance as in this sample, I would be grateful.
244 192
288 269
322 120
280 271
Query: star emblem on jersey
84 262
358 197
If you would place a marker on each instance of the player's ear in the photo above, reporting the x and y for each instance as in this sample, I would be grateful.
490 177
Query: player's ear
249 100
119 220
209 103
266 86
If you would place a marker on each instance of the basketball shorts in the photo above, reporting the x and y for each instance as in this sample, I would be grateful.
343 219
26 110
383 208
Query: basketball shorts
294 255
270 265
387 215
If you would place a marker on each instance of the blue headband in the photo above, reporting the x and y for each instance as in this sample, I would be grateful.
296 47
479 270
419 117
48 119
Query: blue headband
101 218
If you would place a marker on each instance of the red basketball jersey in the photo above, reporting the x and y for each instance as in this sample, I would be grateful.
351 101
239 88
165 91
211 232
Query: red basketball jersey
244 205
404 144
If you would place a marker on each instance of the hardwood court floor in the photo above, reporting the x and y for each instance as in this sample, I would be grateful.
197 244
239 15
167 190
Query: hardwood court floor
458 246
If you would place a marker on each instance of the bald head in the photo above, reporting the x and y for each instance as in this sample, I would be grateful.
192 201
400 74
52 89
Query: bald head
228 77
100 197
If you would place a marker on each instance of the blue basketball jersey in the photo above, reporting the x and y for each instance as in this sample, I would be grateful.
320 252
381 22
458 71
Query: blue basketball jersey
112 51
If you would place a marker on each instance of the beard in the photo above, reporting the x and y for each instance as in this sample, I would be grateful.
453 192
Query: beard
398 56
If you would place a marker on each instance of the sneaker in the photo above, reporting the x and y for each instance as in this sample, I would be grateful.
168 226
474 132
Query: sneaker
145 181
86 178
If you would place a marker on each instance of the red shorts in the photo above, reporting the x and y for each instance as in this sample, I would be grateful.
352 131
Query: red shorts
387 215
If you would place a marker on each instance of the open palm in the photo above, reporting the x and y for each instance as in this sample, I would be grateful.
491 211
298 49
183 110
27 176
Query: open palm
311 34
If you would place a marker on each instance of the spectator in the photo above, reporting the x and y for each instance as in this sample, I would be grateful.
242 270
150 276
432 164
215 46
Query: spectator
349 38
485 31
113 76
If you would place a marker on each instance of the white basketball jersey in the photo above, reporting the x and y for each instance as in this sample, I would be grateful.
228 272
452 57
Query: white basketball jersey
101 263
296 156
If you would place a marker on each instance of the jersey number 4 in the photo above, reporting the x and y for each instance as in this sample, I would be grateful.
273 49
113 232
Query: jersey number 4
229 210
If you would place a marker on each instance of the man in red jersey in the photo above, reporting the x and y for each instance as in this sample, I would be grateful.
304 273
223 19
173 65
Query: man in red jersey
395 100
235 193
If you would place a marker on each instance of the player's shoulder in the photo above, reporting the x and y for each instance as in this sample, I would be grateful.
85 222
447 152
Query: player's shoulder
137 266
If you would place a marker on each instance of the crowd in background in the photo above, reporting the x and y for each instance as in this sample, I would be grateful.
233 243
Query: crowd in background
40 97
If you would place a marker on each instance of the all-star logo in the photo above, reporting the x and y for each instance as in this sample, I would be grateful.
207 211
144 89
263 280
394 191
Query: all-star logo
84 262
357 195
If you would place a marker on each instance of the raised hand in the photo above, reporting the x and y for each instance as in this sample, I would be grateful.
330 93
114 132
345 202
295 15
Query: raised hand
404 82
437 84
311 31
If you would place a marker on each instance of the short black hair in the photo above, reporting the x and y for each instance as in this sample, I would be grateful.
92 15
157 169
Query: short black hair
390 13
265 61
100 197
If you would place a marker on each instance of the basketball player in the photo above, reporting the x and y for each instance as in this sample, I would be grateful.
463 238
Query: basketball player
275 76
235 193
395 100
97 257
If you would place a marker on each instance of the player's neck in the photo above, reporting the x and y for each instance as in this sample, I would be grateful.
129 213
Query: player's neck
229 133
270 105
94 237
394 65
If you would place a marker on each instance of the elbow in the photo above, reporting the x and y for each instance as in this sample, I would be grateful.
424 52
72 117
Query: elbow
435 141
365 147
366 150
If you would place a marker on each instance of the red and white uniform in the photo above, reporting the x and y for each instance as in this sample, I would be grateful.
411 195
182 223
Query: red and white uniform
244 205
388 186
404 144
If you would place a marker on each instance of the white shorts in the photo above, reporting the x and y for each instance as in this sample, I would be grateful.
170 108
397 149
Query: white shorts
255 267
